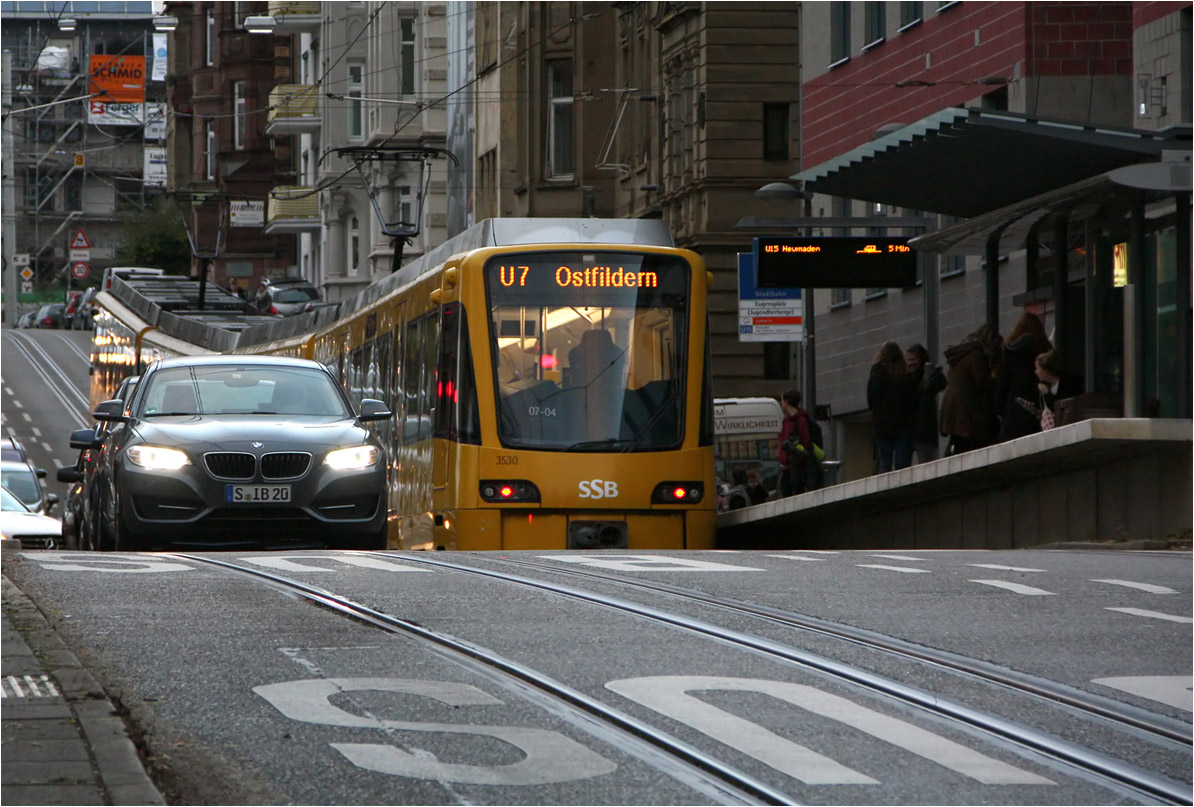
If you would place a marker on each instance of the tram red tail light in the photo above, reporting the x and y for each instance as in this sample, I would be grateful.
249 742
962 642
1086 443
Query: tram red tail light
509 490
678 493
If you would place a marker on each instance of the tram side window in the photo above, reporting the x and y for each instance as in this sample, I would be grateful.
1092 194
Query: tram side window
456 415
419 379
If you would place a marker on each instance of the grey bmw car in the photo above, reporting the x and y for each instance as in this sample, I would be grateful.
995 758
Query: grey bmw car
240 451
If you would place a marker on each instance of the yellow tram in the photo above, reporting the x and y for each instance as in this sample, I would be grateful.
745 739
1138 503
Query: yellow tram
550 384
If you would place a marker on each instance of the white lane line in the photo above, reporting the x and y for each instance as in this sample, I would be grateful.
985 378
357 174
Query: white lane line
27 416
1149 587
1171 690
904 569
37 432
797 557
16 403
821 551
899 557
1015 587
999 568
1185 620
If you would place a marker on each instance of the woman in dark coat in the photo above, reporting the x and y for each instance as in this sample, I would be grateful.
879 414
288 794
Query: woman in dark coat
968 405
1017 378
892 398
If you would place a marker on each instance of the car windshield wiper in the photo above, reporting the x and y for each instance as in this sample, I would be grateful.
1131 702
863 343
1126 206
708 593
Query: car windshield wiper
169 414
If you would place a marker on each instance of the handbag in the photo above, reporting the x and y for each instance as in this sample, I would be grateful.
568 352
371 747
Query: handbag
1047 419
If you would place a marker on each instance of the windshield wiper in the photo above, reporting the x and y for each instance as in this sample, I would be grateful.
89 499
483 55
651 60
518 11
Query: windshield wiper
608 442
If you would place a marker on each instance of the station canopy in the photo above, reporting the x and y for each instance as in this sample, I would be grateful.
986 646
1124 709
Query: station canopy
968 162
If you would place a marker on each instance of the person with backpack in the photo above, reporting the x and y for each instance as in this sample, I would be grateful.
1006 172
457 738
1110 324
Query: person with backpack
800 451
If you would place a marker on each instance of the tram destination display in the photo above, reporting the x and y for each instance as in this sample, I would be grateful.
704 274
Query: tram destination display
834 262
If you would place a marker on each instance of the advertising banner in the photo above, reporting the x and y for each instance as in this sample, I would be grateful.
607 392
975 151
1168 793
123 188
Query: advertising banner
155 167
160 56
117 79
107 114
246 214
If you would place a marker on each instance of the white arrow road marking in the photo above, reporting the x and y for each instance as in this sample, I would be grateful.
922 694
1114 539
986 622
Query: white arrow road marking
648 563
1016 587
1149 587
1172 690
288 564
1154 615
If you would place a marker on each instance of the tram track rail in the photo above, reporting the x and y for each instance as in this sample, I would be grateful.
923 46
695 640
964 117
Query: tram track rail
1088 762
686 763
1154 726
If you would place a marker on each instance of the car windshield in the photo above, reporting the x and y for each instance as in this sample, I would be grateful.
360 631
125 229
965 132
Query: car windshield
22 482
10 502
241 389
589 349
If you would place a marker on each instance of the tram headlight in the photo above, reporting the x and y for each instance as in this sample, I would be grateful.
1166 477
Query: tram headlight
509 490
678 492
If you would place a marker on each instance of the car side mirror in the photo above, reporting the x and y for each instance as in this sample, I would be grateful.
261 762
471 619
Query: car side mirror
41 473
51 500
372 409
109 410
69 475
84 438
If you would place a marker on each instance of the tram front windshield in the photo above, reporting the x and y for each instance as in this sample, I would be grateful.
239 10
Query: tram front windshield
589 349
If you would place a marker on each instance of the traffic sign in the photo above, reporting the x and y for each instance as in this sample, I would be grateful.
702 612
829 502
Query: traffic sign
80 240
27 273
79 270
77 255
21 259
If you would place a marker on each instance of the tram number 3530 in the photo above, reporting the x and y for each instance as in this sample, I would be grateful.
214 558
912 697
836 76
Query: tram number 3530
550 757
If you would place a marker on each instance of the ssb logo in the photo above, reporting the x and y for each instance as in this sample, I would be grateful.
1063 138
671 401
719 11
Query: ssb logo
598 489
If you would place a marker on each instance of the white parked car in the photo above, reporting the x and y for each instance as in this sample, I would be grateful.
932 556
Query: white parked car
21 524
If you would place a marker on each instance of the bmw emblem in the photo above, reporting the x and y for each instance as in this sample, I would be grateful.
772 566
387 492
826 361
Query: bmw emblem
258 445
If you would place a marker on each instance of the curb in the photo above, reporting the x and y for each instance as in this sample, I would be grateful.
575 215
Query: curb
116 760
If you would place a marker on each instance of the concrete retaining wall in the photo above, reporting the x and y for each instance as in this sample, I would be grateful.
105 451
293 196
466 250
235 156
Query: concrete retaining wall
1095 480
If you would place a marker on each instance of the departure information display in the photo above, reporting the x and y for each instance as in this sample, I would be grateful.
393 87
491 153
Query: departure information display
834 262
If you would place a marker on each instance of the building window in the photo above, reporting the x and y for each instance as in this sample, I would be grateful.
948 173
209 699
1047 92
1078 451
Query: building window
559 118
210 42
839 32
775 131
240 127
405 209
356 107
354 246
407 55
911 12
875 19
210 157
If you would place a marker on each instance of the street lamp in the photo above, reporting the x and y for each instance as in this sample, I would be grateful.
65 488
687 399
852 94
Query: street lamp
260 25
165 23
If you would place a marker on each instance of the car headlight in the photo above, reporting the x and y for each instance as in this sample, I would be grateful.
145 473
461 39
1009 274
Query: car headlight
351 459
157 458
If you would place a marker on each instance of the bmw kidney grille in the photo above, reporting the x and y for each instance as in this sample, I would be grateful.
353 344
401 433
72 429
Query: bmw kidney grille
239 465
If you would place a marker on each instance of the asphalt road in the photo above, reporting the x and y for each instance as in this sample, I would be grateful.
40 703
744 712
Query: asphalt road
943 677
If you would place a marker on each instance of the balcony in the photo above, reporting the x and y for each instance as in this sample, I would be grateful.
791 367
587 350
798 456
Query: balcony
292 209
293 109
295 17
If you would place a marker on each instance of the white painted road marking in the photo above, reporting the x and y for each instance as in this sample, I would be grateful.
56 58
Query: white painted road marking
1172 690
1016 587
288 564
1149 587
546 756
797 557
891 568
648 563
1154 615
899 557
670 696
999 568
108 563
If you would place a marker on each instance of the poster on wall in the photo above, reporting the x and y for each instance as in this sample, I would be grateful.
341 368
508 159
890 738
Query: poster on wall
117 79
155 167
161 55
